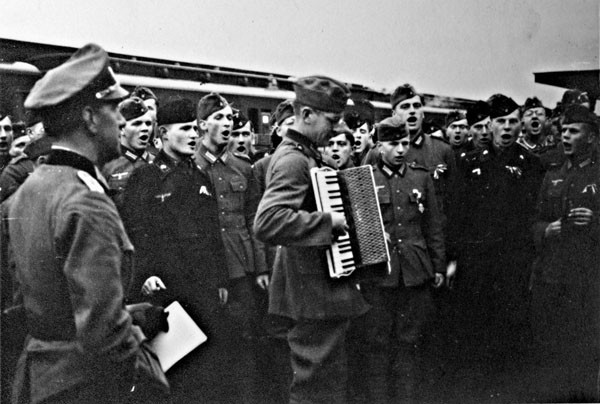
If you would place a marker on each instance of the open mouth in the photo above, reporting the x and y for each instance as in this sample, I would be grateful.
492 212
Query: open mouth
241 149
568 147
144 138
3 145
335 156
192 144
536 124
225 134
411 119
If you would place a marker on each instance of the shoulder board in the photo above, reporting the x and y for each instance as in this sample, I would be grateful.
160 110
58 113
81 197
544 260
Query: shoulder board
416 166
90 182
438 135
242 156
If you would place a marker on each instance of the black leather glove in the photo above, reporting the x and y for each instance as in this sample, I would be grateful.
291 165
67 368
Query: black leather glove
151 319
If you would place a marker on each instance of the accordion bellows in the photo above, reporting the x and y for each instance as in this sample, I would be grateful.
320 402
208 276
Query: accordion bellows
352 191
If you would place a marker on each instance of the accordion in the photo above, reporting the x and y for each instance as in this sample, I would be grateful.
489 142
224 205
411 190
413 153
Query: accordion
352 192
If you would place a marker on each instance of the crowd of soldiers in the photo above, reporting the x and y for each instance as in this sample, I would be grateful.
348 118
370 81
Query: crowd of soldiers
492 224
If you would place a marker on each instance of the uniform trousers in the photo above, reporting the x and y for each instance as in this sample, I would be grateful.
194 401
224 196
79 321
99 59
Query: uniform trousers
394 335
319 363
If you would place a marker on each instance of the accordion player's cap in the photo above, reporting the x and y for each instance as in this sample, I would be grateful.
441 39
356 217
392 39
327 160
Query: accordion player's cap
392 128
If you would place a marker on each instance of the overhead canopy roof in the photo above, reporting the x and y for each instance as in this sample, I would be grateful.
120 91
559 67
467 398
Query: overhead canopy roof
584 80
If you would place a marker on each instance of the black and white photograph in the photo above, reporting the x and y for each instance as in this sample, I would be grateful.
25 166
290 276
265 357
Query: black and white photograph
304 202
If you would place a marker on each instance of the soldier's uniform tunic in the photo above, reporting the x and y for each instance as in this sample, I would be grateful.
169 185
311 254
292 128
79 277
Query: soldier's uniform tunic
170 211
15 173
566 295
237 197
118 171
300 287
492 213
402 300
71 249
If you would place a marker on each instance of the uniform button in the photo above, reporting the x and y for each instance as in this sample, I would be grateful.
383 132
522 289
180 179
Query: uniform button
221 196
399 240
223 229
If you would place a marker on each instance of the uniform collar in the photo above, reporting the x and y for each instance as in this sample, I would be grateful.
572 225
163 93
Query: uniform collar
389 171
210 157
418 140
579 162
166 163
304 144
62 156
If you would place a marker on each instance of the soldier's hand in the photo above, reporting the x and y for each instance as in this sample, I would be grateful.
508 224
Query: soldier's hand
450 273
152 285
580 216
438 280
263 281
338 223
553 229
223 296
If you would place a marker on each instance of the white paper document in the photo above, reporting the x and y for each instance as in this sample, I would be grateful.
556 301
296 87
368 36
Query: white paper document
183 337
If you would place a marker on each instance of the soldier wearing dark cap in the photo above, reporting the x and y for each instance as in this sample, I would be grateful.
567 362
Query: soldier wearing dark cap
301 290
566 298
151 102
575 97
494 206
457 130
431 152
135 138
71 252
534 120
478 119
170 211
360 117
402 300
240 140
237 196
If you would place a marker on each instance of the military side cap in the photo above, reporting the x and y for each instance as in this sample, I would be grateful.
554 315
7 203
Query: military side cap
404 92
239 120
322 93
501 105
574 96
478 112
144 93
454 116
132 108
209 104
532 102
176 110
87 71
341 128
284 110
579 114
392 128
359 113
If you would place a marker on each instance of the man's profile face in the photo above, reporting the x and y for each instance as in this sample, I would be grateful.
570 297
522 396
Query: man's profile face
411 112
323 126
109 122
217 126
181 139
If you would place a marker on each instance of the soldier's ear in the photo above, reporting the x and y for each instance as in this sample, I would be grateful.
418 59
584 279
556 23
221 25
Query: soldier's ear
162 132
89 118
202 126
307 114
